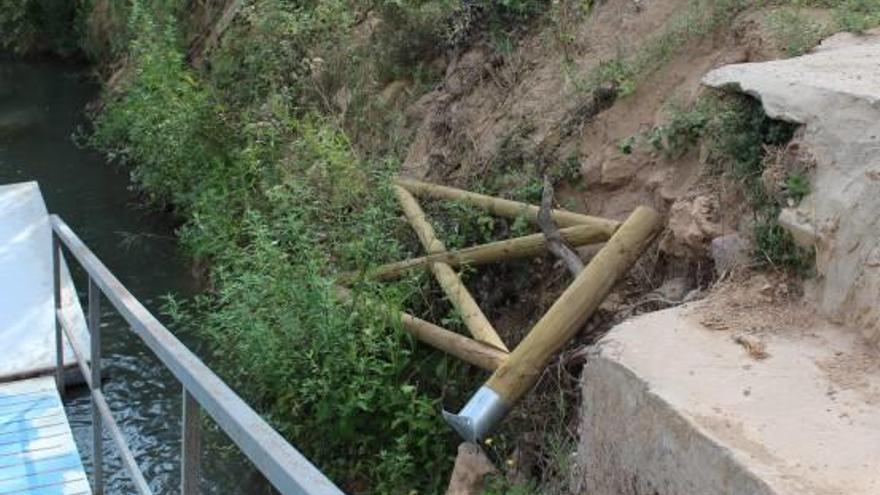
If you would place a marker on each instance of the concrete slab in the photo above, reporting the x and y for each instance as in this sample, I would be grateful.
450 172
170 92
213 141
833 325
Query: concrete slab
27 315
671 407
835 93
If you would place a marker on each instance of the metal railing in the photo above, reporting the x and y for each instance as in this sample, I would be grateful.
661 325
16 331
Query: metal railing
288 470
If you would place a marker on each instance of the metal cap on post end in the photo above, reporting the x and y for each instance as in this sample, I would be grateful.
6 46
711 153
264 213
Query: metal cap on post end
481 413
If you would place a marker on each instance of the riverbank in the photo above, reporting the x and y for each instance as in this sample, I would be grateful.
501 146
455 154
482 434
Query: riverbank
272 131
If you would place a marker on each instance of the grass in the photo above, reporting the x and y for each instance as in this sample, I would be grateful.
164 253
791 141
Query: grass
276 159
737 135
797 32
276 198
627 70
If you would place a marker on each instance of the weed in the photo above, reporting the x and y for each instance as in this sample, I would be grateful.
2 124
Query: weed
797 186
628 145
28 26
795 32
738 137
627 70
857 16
277 200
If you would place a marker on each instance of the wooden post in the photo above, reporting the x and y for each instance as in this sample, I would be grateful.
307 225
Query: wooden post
571 311
525 364
450 282
504 207
516 248
468 350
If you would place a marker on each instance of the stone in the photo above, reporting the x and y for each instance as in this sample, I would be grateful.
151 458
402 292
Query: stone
671 407
730 252
471 468
692 224
835 93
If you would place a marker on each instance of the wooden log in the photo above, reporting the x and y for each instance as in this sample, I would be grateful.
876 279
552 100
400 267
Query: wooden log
569 313
503 207
450 282
508 249
468 350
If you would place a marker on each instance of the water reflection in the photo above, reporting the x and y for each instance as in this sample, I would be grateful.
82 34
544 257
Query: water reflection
41 105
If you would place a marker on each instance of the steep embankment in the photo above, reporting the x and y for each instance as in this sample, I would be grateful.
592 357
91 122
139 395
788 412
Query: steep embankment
272 130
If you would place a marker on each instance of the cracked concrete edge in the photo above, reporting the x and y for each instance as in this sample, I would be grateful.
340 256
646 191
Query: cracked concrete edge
633 442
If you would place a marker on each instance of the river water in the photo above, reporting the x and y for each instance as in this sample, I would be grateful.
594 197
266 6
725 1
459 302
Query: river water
41 107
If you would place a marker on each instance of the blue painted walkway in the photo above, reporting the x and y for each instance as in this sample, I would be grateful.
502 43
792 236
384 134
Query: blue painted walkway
37 453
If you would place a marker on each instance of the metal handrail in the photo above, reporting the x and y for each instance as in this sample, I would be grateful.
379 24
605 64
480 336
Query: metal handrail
285 467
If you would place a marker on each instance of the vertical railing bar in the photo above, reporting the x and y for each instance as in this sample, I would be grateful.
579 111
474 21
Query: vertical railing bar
59 343
97 428
190 455
283 465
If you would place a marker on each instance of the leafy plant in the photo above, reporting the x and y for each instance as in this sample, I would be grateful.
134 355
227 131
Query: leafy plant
797 186
738 136
627 146
276 200
28 26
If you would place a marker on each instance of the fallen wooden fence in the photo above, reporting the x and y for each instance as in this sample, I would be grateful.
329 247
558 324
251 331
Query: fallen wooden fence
514 373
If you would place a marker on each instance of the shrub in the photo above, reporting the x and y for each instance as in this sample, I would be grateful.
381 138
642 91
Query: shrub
28 26
276 199
738 137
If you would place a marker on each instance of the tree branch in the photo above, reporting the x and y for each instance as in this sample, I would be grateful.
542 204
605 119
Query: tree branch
555 243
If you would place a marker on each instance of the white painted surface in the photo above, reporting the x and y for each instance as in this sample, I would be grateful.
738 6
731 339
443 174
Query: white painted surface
671 407
38 455
27 320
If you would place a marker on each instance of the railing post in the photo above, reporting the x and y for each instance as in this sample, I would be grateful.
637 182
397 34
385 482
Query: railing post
190 455
56 283
97 427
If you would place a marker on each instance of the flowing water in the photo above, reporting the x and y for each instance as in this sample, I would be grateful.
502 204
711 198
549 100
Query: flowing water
42 106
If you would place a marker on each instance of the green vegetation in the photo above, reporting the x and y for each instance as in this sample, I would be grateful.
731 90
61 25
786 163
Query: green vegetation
857 16
33 26
277 198
275 152
627 70
737 135
797 31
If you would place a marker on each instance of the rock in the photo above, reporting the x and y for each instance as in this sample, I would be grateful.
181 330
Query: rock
463 73
730 252
670 407
800 224
392 92
471 468
834 92
618 170
674 290
692 224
